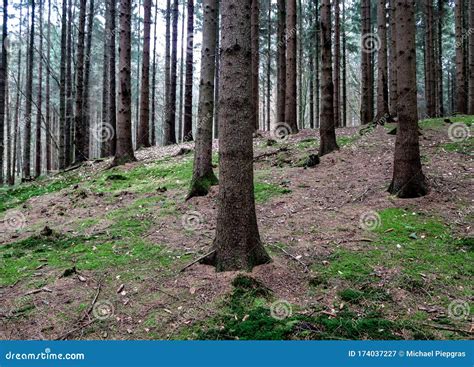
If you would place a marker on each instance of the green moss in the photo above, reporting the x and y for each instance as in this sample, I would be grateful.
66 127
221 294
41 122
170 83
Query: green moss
346 140
307 143
265 191
439 123
463 147
365 294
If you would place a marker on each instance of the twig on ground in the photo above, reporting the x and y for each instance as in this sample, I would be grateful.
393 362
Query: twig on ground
197 260
34 291
306 269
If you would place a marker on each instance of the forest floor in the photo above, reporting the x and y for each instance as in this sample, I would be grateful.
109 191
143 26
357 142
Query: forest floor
98 253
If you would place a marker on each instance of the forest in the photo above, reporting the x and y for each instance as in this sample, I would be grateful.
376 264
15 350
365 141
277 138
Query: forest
236 169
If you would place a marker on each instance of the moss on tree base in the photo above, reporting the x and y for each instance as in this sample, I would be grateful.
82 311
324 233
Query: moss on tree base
200 186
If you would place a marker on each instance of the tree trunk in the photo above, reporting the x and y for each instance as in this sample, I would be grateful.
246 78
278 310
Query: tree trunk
327 130
382 63
317 63
440 58
87 70
430 81
104 144
203 175
237 243
393 60
281 61
143 138
29 98
366 110
48 96
291 91
471 58
62 89
188 94
255 49
337 64
181 77
408 179
153 81
461 96
39 102
3 84
170 123
217 76
112 104
269 64
69 108
344 66
312 33
124 151
301 100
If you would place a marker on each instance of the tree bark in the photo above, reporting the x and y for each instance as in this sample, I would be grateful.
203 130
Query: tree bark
181 78
143 138
69 88
3 84
408 179
104 145
49 132
344 66
87 71
312 23
430 81
203 175
393 60
337 64
170 125
471 58
255 49
112 104
166 133
39 102
366 110
461 95
291 90
281 61
382 63
124 152
237 243
188 94
440 58
153 81
327 130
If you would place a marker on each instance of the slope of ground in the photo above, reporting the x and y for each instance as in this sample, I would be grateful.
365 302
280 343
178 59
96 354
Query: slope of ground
98 253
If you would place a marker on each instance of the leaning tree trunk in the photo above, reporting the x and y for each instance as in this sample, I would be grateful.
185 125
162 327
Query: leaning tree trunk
337 64
39 102
327 130
255 49
291 90
382 71
408 179
28 99
124 152
237 243
3 83
281 61
471 58
143 138
461 96
203 175
188 94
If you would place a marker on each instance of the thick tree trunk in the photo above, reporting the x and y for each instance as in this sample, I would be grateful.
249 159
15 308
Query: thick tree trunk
29 98
124 151
337 64
408 179
49 131
393 60
170 124
87 71
291 62
38 155
143 138
382 63
301 100
255 49
311 64
188 94
471 58
430 81
3 84
327 130
237 244
281 61
203 175
366 110
104 144
112 104
181 78
217 76
461 95
153 81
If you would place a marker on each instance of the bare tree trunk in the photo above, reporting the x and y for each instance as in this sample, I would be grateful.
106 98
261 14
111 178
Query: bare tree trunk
87 70
317 63
301 100
48 96
393 60
281 61
166 131
217 76
3 85
382 63
237 243
408 179
291 90
366 65
170 125
337 64
430 82
255 49
471 58
112 104
104 143
62 89
181 77
203 175
344 66
39 102
440 58
461 96
124 151
269 64
153 81
137 100
29 98
143 138
69 89
188 94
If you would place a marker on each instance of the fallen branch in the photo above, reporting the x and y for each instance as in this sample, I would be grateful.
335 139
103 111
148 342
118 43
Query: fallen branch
34 291
306 269
466 332
64 336
269 154
197 260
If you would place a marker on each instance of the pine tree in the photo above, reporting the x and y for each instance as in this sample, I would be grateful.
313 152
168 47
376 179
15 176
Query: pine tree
188 94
